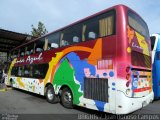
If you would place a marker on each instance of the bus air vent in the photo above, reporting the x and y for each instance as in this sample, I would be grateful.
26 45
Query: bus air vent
96 89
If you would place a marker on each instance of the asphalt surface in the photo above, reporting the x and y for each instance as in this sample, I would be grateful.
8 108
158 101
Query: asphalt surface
16 104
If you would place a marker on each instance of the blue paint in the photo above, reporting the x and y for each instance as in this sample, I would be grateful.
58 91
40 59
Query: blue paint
78 66
113 88
100 105
113 84
111 73
104 74
133 81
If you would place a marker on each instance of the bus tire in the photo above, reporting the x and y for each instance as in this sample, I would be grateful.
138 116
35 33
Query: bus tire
67 98
51 96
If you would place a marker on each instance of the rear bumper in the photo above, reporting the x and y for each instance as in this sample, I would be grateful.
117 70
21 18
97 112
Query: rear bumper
125 105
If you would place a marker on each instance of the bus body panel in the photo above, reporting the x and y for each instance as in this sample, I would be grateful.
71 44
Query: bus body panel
156 66
28 84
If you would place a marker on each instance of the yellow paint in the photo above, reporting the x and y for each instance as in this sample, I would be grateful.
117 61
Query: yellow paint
149 79
21 84
52 65
129 50
33 88
143 44
10 68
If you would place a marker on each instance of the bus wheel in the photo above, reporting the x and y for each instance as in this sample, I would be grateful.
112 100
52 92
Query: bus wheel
50 95
67 98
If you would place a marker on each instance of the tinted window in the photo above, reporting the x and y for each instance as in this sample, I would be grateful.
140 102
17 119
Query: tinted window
14 71
21 71
71 35
29 49
91 29
22 51
39 45
14 54
37 71
53 40
138 24
153 39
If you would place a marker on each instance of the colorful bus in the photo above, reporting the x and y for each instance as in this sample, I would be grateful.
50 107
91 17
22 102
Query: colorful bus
155 45
102 62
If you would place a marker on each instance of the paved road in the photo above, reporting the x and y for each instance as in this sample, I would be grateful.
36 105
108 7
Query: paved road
16 102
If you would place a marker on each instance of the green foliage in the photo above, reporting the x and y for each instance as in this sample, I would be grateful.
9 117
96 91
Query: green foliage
39 31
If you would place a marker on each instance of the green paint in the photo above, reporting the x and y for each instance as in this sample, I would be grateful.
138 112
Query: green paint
65 76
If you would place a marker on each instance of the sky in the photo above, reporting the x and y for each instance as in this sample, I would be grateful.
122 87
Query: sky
19 15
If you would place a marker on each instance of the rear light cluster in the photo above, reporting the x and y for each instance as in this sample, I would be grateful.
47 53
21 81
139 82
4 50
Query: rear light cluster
128 78
128 75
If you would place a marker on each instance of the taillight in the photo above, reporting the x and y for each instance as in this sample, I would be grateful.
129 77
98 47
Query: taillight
128 76
128 73
127 84
128 69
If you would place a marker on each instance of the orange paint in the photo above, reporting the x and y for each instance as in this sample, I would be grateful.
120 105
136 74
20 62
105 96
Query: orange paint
96 52
130 34
40 80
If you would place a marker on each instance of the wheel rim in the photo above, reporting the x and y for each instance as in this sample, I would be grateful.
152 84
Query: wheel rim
67 97
50 94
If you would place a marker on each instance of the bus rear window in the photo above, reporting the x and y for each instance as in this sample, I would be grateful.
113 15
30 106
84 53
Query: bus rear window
138 24
139 58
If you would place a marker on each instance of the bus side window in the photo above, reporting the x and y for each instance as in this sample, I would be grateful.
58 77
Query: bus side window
14 54
29 49
39 46
26 71
106 26
90 29
22 52
53 40
71 35
20 71
14 71
66 37
40 70
77 33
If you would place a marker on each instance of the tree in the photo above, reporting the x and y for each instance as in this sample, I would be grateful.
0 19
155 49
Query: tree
39 31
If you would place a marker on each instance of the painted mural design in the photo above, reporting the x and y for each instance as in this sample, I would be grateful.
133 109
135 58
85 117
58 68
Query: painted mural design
141 81
71 70
67 67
